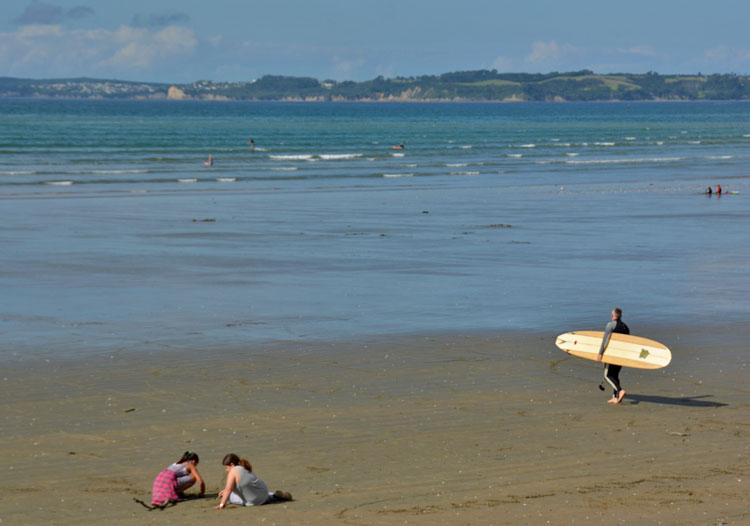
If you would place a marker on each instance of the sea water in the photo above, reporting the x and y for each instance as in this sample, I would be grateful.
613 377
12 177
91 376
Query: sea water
494 217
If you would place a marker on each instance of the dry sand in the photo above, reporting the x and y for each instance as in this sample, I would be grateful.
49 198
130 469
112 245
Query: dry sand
478 429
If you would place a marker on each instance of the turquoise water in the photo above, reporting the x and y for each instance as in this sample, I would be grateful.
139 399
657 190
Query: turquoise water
115 235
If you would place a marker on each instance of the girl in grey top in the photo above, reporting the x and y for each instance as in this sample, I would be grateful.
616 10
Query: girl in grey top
244 488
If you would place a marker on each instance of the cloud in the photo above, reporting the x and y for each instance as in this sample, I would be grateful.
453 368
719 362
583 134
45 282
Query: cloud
345 67
553 55
549 51
58 51
216 40
640 51
385 70
79 11
503 64
724 58
41 13
159 19
141 48
727 54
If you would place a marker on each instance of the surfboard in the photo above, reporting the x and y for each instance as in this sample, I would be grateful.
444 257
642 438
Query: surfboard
623 349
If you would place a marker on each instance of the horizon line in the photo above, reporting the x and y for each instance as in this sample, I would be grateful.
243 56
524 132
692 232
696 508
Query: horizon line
579 72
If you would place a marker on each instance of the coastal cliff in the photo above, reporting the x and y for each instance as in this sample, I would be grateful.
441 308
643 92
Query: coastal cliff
462 86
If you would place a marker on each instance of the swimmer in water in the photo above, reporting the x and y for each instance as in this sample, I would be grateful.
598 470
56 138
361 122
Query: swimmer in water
718 189
401 146
709 191
251 144
208 163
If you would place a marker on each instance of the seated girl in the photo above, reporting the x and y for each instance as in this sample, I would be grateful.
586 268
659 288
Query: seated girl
244 488
170 484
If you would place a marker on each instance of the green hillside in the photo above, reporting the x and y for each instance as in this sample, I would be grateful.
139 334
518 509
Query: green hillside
480 85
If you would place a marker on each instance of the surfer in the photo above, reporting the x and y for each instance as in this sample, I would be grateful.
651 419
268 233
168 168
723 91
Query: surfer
208 163
718 189
612 371
709 191
401 146
251 144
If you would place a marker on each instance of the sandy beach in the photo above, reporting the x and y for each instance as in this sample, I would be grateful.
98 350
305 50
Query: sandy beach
436 429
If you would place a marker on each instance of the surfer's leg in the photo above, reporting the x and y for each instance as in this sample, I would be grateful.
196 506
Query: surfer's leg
611 375
621 392
614 374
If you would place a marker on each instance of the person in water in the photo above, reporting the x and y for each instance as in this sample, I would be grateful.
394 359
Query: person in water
244 488
170 484
709 191
400 146
208 163
251 144
718 189
612 371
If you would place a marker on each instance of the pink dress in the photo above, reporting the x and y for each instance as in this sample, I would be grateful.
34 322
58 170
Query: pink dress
164 489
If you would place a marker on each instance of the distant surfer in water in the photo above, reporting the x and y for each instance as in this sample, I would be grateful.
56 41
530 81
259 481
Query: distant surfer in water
251 144
718 189
401 146
208 163
611 371
709 191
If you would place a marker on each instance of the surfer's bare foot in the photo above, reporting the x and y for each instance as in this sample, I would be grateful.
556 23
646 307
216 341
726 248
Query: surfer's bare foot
612 400
621 395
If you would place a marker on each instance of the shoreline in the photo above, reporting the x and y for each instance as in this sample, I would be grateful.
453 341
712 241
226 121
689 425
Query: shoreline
731 333
446 102
433 429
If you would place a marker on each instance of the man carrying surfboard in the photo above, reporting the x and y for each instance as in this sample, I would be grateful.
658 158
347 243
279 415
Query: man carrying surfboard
611 371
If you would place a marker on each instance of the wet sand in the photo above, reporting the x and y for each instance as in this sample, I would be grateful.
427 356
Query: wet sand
441 429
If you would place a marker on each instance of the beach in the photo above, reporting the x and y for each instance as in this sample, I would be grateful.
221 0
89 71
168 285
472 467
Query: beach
373 329
475 428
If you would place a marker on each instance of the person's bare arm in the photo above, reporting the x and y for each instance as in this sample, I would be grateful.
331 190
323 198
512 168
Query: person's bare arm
230 485
194 472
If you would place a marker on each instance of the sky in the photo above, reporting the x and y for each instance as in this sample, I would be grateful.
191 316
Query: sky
240 40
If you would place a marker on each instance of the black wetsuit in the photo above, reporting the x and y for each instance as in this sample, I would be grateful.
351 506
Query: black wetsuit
611 371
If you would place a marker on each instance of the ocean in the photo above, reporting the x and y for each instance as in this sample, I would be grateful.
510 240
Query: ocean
495 217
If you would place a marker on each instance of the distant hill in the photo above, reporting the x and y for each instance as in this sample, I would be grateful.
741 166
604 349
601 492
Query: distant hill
81 88
480 85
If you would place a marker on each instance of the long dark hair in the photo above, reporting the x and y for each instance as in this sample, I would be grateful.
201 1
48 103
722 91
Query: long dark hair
188 456
232 459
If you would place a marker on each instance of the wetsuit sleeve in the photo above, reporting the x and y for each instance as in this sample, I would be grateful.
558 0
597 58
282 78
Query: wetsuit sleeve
607 334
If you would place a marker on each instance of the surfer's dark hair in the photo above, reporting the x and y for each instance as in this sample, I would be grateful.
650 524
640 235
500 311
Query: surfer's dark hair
618 312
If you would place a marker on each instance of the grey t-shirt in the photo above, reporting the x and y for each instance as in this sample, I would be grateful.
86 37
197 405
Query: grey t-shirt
252 490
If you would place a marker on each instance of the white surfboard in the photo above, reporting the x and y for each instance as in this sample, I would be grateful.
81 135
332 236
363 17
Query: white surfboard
623 349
